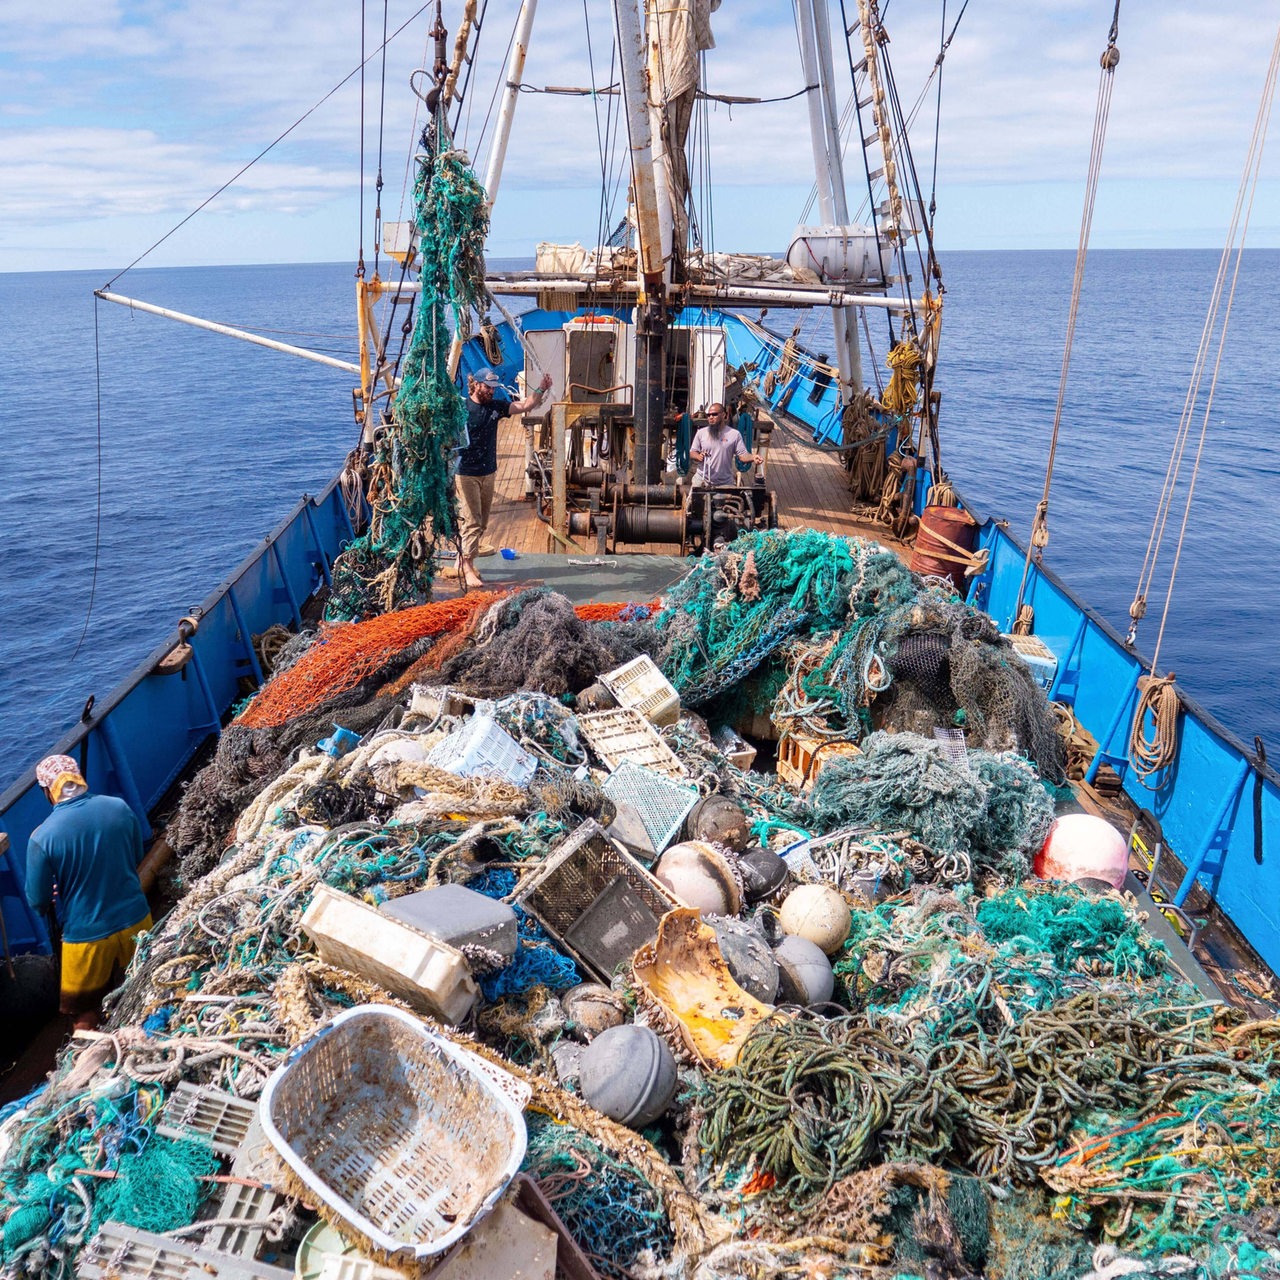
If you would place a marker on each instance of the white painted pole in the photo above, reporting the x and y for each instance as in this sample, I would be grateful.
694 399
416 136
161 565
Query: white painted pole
134 305
813 98
631 57
661 164
507 112
844 322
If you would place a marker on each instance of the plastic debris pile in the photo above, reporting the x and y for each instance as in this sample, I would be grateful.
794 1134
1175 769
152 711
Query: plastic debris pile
811 1023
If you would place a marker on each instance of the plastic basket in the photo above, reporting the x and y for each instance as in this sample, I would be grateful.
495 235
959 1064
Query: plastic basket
661 803
404 1136
423 971
483 747
639 685
625 734
596 900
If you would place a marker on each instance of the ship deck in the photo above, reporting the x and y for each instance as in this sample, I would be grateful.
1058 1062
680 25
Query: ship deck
809 483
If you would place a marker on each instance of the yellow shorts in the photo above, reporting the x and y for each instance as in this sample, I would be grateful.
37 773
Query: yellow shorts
89 969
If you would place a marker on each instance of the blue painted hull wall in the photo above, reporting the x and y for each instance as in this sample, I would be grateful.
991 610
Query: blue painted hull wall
138 740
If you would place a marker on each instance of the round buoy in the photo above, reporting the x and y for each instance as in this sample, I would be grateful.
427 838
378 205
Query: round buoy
592 1008
804 972
749 957
701 877
819 913
718 819
1082 847
763 873
628 1074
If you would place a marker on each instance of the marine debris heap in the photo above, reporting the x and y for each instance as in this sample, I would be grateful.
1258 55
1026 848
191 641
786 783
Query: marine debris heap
887 1053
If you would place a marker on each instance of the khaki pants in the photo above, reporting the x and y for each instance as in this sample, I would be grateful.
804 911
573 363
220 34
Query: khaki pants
475 497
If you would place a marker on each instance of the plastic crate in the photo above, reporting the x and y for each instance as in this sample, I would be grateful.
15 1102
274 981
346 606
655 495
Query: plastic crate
119 1252
802 757
661 803
221 1118
1038 656
402 1135
423 971
596 900
482 747
737 750
248 1213
639 685
625 734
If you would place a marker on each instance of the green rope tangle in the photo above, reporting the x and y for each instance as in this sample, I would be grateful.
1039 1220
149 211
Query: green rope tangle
411 492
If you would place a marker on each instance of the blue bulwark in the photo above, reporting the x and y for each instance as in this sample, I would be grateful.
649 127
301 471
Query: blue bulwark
138 739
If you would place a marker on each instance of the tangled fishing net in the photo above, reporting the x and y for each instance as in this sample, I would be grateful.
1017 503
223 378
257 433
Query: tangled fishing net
1010 1071
392 565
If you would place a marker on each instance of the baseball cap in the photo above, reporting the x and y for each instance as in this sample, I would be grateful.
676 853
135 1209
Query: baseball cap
488 377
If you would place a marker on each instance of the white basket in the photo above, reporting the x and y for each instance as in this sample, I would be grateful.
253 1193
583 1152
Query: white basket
662 804
424 971
483 747
1038 656
404 1136
639 684
625 734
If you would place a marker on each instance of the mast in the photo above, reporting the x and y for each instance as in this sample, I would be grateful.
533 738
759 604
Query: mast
651 324
824 133
511 93
843 321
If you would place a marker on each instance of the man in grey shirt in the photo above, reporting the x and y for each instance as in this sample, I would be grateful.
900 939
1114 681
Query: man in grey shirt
714 449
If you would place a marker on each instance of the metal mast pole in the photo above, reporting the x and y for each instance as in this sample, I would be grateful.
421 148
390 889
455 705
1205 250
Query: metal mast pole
823 148
507 112
650 403
845 320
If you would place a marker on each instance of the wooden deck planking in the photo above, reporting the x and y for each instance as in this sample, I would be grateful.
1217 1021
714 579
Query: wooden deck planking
809 483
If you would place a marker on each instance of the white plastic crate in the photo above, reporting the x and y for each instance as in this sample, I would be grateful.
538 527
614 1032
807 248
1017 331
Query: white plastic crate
220 1117
482 747
423 971
119 1252
405 1137
1038 656
639 684
624 734
661 803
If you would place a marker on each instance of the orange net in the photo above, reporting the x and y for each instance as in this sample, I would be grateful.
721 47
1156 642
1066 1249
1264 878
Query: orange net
347 653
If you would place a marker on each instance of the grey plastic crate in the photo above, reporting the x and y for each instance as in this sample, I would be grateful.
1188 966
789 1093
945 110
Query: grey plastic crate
119 1252
459 916
596 900
220 1117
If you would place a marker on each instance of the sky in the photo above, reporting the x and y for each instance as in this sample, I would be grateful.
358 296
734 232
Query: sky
118 119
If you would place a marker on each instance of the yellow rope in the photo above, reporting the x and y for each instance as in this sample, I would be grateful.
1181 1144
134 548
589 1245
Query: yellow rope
904 386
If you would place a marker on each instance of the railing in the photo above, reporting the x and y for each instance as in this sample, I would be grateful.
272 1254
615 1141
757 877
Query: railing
136 741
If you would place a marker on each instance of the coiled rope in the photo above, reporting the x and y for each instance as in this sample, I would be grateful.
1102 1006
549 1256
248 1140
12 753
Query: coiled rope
1153 750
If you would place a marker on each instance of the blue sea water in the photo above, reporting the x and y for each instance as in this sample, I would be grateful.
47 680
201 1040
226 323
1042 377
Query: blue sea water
207 442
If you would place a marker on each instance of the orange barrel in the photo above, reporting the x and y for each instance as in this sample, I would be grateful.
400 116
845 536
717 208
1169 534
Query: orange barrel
944 537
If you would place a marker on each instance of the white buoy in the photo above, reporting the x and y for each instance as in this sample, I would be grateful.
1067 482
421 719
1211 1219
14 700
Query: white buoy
817 912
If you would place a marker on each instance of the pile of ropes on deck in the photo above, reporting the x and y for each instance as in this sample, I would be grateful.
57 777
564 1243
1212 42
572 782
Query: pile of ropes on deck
1006 1066
410 492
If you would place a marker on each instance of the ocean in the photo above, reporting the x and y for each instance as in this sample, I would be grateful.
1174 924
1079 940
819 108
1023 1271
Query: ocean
207 442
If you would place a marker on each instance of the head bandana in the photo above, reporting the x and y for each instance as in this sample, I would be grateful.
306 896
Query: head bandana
56 772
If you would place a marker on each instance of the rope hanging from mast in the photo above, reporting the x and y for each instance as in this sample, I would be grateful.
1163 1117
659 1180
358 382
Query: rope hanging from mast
1024 617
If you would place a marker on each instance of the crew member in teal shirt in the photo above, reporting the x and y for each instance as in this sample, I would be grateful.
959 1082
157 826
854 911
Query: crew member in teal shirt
87 853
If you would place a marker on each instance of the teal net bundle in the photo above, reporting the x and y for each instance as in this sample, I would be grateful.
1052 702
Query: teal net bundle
411 490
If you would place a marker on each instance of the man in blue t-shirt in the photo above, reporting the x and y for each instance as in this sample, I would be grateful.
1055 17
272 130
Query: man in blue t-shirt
478 462
87 852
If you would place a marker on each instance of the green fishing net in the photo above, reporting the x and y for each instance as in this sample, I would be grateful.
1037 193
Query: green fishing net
411 492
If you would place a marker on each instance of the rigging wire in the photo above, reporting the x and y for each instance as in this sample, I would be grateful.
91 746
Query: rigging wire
382 117
1023 619
275 142
1230 262
97 524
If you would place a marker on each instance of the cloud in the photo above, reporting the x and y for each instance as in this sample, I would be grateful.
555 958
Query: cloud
141 110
